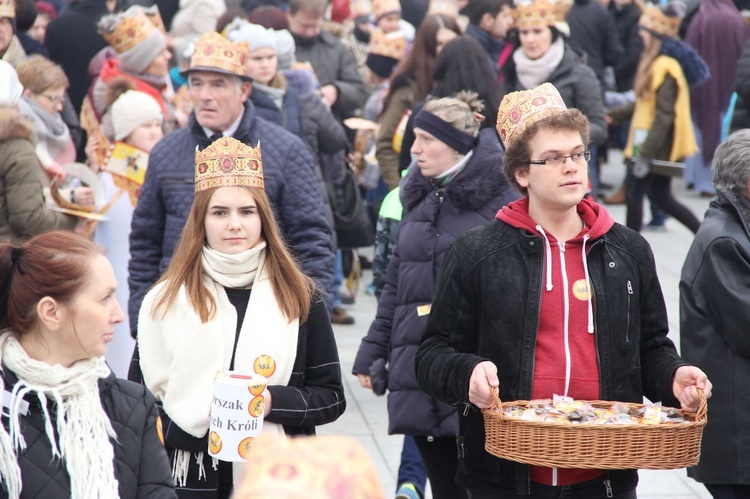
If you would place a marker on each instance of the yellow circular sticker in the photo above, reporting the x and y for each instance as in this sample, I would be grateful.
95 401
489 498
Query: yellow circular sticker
581 289
214 443
244 448
256 406
264 365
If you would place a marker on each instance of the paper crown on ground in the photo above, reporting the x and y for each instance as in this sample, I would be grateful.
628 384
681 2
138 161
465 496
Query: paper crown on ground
133 27
540 13
215 53
383 7
7 9
519 110
654 19
391 45
228 163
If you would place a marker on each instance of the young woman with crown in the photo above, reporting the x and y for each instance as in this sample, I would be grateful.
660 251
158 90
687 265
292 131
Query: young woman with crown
233 298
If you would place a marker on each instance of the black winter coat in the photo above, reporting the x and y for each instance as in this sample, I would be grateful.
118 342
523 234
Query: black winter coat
578 87
592 31
626 23
288 117
714 316
141 464
486 307
167 195
741 116
432 220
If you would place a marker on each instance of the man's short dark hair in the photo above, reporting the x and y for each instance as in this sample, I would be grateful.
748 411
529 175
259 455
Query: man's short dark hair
317 7
26 12
478 8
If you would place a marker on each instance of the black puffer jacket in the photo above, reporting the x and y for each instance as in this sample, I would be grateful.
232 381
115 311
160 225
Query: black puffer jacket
167 195
626 22
741 116
432 220
141 464
592 31
714 314
486 307
578 87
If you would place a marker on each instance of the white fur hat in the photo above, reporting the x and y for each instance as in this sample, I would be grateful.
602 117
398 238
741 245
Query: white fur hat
10 88
131 110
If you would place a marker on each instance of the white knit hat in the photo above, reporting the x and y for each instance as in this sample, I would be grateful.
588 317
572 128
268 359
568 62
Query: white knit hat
131 110
254 34
10 88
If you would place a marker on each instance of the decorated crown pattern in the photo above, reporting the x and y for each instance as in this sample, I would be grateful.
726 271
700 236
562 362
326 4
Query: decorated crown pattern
540 13
154 16
391 45
227 162
654 19
213 51
383 7
7 9
519 110
130 31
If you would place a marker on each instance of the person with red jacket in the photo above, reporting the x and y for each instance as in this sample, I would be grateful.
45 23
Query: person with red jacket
550 298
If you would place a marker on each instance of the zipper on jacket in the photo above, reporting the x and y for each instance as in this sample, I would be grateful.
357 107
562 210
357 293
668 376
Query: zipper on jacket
467 405
566 316
627 323
608 487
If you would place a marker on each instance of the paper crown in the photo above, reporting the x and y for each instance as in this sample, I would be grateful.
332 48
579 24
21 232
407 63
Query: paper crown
228 163
391 45
360 8
654 19
7 9
446 8
215 53
131 29
540 13
383 7
154 16
519 110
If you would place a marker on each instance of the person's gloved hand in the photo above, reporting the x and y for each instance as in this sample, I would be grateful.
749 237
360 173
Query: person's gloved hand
641 167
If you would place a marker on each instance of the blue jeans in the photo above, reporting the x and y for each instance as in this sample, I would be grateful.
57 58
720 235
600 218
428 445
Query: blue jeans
411 468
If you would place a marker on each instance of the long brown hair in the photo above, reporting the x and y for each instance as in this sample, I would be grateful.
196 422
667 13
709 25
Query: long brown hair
292 288
642 83
54 264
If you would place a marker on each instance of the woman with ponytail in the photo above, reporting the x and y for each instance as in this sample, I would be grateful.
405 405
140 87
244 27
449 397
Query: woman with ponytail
69 427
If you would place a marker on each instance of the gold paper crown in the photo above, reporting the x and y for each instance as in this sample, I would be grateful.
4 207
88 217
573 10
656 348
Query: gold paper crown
654 19
130 31
228 163
383 7
391 45
154 16
7 9
446 8
215 53
520 110
359 8
540 13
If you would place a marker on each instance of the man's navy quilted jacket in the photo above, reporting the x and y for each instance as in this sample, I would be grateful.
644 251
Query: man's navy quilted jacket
167 195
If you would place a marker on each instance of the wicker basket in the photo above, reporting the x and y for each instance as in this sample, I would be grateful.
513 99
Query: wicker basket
656 447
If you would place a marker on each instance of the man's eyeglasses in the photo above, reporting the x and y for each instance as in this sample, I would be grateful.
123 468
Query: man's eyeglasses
579 157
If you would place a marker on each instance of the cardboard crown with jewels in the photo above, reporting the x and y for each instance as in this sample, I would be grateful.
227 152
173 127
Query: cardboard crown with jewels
383 7
228 163
7 9
540 13
391 45
132 29
654 19
215 53
519 110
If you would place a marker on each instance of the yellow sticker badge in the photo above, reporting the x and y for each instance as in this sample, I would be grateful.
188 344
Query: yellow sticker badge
581 289
424 310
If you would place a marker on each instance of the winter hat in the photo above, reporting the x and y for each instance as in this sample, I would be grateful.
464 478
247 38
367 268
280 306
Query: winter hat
134 37
664 20
10 88
254 34
285 49
131 110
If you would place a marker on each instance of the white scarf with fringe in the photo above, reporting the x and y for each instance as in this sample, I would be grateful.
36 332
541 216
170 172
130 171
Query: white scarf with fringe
83 428
533 72
180 355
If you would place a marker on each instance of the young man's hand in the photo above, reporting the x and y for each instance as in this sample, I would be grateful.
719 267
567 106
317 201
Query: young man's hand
482 378
687 381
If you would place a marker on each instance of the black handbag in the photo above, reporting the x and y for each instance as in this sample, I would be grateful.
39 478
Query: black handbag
353 226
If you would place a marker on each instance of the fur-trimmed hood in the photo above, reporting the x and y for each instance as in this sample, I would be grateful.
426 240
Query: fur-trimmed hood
481 180
15 126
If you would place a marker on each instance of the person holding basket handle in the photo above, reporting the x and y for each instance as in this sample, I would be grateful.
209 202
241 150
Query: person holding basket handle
551 298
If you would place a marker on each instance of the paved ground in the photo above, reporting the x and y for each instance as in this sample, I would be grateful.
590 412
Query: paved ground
366 416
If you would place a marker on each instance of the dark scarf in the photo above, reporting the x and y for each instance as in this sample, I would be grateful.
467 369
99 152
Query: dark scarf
718 33
693 66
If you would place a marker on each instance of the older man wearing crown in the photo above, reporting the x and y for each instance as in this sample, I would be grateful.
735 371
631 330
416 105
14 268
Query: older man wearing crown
551 298
11 50
219 90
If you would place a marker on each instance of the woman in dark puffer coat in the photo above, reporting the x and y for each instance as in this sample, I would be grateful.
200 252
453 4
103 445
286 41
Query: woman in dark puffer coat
455 185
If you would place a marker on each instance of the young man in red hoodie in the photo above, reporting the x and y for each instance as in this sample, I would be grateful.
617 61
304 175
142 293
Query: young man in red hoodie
552 297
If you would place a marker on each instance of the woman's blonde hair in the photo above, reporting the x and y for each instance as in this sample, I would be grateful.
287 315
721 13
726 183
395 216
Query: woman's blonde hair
39 74
460 111
642 84
292 288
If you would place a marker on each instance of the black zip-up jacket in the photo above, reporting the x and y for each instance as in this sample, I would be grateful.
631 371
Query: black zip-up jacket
486 307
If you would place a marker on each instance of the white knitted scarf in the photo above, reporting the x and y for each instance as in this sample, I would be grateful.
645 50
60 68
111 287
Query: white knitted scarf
532 73
83 428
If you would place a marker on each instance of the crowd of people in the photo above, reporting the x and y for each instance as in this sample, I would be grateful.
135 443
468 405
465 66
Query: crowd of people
184 187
